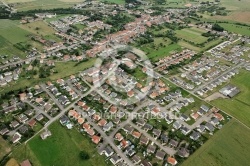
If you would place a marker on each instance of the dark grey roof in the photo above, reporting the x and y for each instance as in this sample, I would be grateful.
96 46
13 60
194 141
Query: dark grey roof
209 126
160 154
195 135
183 152
147 127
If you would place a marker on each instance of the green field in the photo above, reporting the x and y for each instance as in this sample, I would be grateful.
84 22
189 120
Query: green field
238 106
243 30
242 5
22 5
8 49
10 31
40 28
191 34
61 149
229 146
156 54
68 68
4 148
114 1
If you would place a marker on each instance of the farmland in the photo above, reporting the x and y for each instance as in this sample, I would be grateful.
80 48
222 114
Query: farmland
114 1
4 148
239 106
56 149
41 4
8 50
191 34
229 146
10 31
40 28
243 30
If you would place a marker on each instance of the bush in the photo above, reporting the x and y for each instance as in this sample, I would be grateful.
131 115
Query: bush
84 155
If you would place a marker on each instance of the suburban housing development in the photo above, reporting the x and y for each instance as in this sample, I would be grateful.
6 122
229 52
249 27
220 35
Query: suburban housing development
124 82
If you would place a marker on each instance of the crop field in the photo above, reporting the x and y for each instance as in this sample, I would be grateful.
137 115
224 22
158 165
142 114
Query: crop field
40 28
242 5
159 48
10 31
189 46
62 148
238 106
8 50
243 30
191 34
22 5
114 1
4 148
229 146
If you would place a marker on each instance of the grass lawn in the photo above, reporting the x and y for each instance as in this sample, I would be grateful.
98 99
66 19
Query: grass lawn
62 148
229 146
156 54
191 34
239 106
4 148
68 68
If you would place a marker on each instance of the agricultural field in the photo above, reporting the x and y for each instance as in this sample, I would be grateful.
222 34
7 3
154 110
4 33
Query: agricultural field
239 106
243 30
23 5
10 31
4 148
229 146
55 150
242 5
8 50
114 1
192 34
154 51
40 28
239 11
12 162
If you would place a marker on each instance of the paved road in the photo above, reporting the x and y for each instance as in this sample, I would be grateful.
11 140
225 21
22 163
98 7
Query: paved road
224 73
106 138
63 110
168 150
38 110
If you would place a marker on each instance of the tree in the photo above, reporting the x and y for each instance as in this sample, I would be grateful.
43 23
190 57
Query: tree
84 155
217 27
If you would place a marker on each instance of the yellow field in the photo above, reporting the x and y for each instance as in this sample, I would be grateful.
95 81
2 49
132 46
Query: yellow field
4 147
38 27
17 1
12 162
